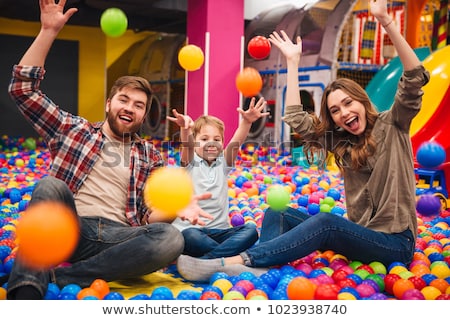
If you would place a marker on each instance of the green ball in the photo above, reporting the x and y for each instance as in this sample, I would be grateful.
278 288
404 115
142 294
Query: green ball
29 144
378 280
378 267
329 201
355 264
362 273
113 22
325 207
278 197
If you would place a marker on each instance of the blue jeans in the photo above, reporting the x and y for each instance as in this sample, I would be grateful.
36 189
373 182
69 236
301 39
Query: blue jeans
106 249
290 235
215 243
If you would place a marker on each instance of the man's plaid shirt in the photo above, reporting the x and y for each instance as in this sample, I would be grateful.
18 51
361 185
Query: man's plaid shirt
75 143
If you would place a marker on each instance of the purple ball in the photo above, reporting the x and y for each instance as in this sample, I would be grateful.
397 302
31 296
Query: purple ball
428 205
237 220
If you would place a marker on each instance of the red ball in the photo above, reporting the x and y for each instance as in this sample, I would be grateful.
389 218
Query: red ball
328 291
258 47
389 281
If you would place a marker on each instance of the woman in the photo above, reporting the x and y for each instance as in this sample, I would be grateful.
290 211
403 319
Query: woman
374 154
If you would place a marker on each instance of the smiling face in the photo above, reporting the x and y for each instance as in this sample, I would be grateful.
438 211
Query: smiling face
125 113
346 112
209 143
126 107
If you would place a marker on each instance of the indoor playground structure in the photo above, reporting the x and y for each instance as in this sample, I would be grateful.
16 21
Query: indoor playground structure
340 39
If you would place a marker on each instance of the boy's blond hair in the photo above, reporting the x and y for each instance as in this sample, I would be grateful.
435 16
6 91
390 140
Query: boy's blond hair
202 121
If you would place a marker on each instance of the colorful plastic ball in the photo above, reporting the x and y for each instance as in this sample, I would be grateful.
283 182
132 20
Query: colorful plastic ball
164 292
400 286
72 289
48 233
278 197
114 296
378 267
441 271
191 57
113 22
29 143
87 292
210 295
233 295
334 193
237 220
101 286
168 189
313 208
430 154
258 47
249 82
430 293
223 284
328 291
365 290
428 205
301 288
256 294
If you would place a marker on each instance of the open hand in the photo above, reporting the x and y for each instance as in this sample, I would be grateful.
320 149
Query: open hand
53 16
193 212
183 121
285 44
254 111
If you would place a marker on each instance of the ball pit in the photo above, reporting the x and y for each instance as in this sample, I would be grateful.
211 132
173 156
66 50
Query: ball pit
322 275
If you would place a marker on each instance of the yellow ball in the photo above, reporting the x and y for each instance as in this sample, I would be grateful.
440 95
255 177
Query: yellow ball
191 57
168 189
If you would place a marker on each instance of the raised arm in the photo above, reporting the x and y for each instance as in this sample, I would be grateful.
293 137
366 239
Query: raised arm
185 123
253 113
406 54
53 20
292 52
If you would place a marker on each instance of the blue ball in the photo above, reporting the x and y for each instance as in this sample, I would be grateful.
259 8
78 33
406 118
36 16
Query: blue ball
334 193
430 154
313 208
165 292
72 288
114 296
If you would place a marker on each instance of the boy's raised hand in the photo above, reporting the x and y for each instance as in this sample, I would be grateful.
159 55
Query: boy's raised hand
254 111
183 121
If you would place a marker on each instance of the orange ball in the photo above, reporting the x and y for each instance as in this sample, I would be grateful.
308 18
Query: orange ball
101 286
88 292
47 233
400 286
301 288
249 82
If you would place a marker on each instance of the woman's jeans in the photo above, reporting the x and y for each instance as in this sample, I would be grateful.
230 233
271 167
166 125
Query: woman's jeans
216 243
291 235
106 250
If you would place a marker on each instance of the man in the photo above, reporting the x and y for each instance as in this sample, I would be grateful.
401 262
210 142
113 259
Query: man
98 170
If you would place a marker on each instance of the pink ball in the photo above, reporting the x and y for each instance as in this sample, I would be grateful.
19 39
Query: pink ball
304 267
365 290
413 294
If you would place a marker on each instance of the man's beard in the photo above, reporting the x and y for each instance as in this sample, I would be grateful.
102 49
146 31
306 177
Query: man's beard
115 127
